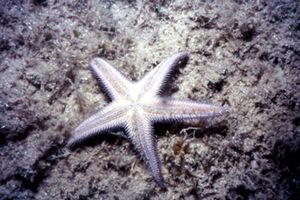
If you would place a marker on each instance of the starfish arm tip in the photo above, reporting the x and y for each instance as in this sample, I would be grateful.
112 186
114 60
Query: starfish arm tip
222 110
162 184
184 53
72 142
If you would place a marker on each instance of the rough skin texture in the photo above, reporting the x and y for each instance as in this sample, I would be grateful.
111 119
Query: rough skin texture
242 55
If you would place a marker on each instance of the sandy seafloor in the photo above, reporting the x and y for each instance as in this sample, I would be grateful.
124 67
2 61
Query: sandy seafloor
243 54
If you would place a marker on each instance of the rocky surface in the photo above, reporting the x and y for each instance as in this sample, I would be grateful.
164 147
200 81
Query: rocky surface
244 55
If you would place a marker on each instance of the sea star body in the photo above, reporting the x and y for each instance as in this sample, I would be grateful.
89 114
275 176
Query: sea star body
136 106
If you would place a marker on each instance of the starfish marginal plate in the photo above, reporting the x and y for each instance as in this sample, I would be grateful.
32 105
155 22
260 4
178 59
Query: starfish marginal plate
136 106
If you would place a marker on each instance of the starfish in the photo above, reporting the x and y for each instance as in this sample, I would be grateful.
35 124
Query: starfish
136 106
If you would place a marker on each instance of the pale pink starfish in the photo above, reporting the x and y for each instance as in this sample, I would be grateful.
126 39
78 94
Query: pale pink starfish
136 106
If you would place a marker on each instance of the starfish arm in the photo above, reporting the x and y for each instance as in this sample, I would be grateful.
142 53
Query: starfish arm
162 109
113 81
106 119
155 79
140 133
